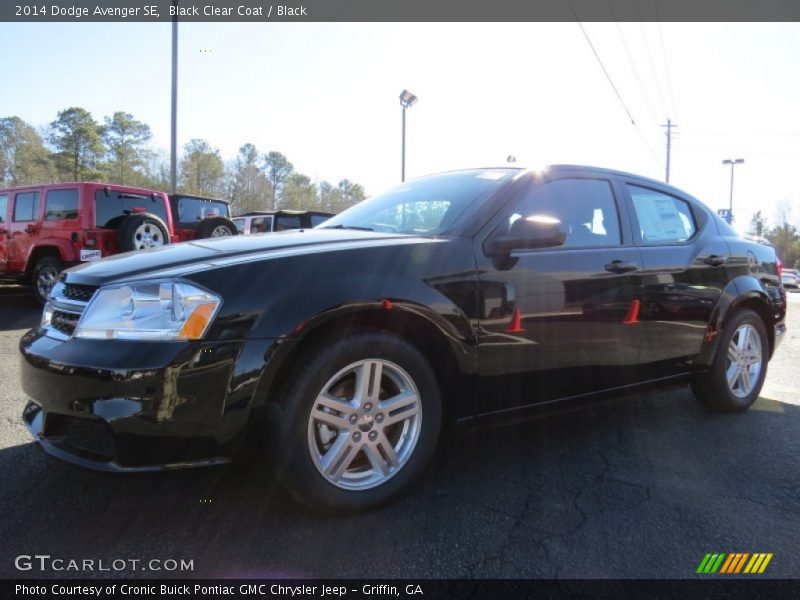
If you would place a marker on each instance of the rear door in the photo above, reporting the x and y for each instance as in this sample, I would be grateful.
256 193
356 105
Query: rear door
684 272
3 231
24 228
560 321
61 217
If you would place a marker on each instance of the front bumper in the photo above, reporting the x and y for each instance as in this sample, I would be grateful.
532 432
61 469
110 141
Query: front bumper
167 409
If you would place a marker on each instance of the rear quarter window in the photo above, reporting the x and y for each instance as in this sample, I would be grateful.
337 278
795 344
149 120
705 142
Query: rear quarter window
61 205
3 208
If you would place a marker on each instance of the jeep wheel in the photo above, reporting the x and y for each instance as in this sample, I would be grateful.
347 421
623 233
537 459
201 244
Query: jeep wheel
216 227
740 366
45 275
141 231
361 422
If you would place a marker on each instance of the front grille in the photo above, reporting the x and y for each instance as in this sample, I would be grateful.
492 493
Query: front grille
79 292
86 435
65 322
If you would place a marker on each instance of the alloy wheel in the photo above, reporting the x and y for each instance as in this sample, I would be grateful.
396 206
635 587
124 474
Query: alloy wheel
364 424
148 235
744 360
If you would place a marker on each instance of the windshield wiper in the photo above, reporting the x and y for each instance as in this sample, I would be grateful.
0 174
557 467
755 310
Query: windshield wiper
349 227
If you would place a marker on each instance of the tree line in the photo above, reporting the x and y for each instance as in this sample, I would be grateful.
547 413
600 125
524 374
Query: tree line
76 147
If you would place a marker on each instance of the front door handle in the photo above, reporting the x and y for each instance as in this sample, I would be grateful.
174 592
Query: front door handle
715 260
621 266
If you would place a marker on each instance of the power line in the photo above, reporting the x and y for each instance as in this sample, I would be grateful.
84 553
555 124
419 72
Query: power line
608 77
614 87
650 108
642 88
666 68
653 69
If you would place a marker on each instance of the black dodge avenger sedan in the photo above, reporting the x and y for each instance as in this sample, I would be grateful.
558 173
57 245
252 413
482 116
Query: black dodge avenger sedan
458 297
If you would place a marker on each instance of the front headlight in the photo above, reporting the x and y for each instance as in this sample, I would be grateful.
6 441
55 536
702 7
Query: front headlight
149 311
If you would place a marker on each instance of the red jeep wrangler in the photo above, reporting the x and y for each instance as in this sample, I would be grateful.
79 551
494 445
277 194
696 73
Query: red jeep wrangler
47 228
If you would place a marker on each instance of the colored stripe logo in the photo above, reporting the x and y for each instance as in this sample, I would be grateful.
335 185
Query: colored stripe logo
733 563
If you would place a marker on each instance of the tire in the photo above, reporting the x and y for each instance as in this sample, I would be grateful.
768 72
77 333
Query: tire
216 227
45 275
712 388
365 476
142 231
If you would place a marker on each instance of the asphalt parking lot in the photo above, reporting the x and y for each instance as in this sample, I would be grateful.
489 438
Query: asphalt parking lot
641 487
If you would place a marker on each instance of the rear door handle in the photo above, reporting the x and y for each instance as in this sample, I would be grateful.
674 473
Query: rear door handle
621 266
715 260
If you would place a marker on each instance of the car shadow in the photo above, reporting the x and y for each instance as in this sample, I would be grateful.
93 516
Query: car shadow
19 308
657 474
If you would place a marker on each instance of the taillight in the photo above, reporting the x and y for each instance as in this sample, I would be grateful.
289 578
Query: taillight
90 240
780 267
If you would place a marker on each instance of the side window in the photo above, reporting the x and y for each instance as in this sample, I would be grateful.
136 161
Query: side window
3 208
663 219
259 225
26 206
318 220
61 205
285 222
583 209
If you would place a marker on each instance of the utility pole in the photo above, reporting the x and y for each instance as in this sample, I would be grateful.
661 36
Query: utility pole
732 162
669 126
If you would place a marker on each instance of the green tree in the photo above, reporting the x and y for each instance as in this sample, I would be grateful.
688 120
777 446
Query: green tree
336 199
23 157
76 137
126 140
278 169
250 189
784 236
201 169
299 193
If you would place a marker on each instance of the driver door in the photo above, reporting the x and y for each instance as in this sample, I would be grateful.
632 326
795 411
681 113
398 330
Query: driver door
561 319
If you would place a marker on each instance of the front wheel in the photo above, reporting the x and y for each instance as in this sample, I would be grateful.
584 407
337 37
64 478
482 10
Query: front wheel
740 366
45 275
361 421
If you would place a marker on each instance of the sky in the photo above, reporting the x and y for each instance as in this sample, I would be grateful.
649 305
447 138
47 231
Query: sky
326 95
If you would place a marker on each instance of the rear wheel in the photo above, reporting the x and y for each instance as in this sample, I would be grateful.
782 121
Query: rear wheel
142 231
216 227
45 275
361 422
740 366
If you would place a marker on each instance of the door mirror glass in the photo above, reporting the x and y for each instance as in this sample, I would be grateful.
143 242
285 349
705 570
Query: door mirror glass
533 231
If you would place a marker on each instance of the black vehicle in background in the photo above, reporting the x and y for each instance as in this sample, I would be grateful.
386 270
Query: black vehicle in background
472 295
196 217
268 221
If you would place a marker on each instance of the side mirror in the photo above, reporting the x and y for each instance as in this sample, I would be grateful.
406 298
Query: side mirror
535 231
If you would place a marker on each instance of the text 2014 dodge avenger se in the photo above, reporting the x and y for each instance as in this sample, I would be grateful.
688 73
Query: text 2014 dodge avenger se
470 295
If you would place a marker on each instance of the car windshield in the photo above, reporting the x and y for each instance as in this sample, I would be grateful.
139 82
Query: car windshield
427 206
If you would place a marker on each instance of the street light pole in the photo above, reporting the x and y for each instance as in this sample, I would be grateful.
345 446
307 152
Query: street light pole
403 148
732 162
407 100
173 153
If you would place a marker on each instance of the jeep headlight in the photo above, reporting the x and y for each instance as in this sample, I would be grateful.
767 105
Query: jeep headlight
149 311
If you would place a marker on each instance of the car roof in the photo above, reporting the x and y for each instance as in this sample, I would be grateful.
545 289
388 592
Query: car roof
196 197
94 184
257 213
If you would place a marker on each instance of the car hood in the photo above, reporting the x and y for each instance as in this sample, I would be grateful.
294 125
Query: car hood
178 259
